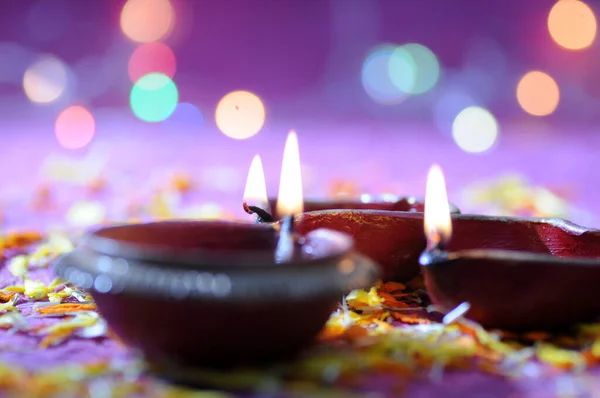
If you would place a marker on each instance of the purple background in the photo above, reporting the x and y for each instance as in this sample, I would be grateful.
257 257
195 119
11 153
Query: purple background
303 58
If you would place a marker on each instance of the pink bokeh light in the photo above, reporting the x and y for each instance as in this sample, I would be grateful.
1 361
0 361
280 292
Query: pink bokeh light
75 127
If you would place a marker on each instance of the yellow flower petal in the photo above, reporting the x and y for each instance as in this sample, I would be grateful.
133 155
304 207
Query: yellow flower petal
37 290
595 349
9 305
560 357
361 298
18 265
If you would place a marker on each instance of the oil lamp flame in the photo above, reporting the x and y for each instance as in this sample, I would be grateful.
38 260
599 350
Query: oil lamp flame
290 198
256 187
438 224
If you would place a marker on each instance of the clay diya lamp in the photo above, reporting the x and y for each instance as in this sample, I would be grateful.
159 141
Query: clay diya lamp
515 274
210 293
387 228
200 293
385 202
392 238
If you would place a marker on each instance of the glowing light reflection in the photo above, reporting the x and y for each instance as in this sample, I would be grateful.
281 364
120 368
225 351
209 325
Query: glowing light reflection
572 24
146 21
152 58
377 72
538 94
475 129
240 115
154 97
74 127
45 80
424 64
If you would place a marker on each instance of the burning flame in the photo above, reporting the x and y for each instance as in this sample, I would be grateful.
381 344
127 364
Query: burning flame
438 224
290 199
256 188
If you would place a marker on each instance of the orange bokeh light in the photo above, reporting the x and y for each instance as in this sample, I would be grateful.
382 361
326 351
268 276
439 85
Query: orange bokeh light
152 58
572 24
538 94
74 127
145 21
240 115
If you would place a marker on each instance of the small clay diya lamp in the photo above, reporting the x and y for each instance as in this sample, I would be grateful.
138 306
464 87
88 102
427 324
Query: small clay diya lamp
393 239
516 274
364 202
210 293
386 229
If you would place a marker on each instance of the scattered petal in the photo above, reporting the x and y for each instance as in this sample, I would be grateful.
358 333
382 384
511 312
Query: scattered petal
10 304
562 358
18 266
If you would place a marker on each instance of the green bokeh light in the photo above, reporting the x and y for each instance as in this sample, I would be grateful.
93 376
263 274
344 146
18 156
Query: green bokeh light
154 97
378 74
403 70
426 68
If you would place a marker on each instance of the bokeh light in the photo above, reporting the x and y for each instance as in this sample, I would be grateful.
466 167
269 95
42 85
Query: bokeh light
414 68
377 71
74 127
240 115
154 97
572 24
145 21
45 80
186 118
537 93
152 57
475 129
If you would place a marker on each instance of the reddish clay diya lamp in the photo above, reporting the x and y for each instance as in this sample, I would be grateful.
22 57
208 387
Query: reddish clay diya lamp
386 229
364 202
202 293
515 274
210 293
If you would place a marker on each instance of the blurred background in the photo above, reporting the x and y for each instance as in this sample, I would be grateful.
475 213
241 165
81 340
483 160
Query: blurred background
121 109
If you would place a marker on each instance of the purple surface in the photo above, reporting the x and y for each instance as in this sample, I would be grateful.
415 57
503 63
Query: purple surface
304 62
22 351
376 156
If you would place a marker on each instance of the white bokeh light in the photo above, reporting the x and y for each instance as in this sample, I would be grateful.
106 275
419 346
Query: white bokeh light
475 129
45 80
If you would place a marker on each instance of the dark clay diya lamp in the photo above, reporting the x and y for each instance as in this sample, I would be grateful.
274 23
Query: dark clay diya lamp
387 228
202 293
393 239
364 202
211 293
516 274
